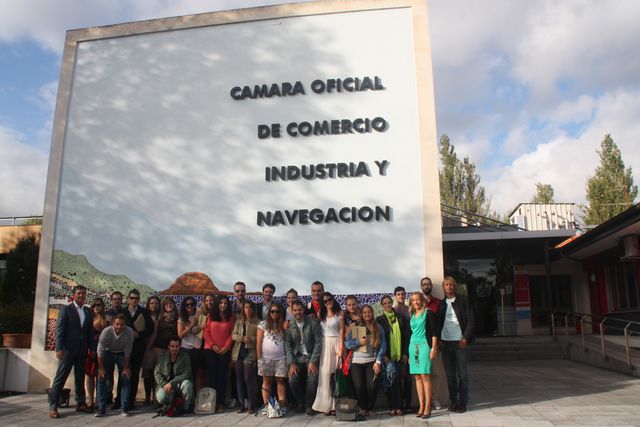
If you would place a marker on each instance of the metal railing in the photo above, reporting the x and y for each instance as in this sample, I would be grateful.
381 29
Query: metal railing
602 326
21 220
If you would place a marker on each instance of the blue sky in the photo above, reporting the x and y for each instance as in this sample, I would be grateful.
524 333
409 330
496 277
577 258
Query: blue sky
527 89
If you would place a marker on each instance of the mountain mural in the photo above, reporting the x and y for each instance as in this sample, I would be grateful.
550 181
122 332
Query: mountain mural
76 269
194 283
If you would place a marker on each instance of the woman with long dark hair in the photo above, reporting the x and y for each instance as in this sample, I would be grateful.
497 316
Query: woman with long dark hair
149 359
423 348
244 357
271 355
366 365
91 368
396 332
332 324
218 343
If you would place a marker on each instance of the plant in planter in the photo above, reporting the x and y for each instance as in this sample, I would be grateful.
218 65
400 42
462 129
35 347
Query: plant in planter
17 292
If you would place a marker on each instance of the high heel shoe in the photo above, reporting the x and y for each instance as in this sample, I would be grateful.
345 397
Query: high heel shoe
426 415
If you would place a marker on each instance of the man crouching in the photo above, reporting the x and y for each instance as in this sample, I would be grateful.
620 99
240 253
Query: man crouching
173 371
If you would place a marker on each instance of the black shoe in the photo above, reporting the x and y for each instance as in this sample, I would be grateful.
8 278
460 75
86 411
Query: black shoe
361 417
310 412
452 408
461 409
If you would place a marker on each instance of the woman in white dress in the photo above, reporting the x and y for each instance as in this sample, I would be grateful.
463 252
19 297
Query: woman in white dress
332 323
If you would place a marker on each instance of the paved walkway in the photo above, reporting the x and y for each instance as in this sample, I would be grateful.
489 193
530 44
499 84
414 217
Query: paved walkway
518 393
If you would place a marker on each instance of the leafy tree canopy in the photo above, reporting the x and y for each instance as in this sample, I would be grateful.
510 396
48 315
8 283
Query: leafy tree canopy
610 190
544 193
459 183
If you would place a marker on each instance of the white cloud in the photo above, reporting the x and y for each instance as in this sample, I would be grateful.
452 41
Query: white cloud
566 162
591 43
23 170
46 22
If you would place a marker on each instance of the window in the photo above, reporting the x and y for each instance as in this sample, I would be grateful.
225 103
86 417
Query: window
623 277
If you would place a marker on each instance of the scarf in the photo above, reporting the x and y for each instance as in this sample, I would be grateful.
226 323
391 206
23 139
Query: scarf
394 335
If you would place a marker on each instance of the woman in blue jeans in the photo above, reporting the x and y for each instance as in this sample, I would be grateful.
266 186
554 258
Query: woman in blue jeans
366 366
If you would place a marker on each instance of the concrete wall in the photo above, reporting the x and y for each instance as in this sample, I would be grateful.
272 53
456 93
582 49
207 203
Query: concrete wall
14 369
44 362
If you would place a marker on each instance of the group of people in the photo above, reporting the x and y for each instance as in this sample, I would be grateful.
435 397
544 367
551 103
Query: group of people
294 350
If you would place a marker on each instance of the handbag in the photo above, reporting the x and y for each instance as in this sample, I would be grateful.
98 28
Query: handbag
273 408
340 385
346 365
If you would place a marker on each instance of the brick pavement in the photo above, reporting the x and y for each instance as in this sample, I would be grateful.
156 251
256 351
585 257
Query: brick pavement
513 393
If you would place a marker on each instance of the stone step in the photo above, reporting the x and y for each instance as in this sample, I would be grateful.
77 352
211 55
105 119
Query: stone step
516 355
515 348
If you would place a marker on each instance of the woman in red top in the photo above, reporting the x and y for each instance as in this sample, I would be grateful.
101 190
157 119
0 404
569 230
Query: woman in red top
217 347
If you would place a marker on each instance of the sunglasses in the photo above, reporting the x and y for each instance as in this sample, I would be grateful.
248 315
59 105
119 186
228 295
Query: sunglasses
275 312
239 291
134 298
189 304
327 300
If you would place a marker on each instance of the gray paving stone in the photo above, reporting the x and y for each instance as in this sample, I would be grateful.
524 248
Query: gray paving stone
518 393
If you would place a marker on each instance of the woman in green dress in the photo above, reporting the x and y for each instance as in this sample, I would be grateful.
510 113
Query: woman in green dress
423 348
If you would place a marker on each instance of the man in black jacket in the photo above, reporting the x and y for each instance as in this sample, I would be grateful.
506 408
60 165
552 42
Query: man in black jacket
74 335
456 317
139 320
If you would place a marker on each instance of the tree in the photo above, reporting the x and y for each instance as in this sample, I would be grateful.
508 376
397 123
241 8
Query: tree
610 190
459 183
544 193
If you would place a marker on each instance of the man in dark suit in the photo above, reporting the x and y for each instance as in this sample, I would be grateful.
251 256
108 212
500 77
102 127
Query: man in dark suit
138 319
303 346
74 335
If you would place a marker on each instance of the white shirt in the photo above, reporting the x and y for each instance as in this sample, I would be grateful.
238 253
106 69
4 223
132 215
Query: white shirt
303 348
80 311
451 330
272 344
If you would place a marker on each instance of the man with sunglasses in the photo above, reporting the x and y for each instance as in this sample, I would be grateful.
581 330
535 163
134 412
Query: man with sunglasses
138 319
303 346
240 291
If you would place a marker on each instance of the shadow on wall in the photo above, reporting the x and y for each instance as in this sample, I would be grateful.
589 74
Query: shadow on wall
157 176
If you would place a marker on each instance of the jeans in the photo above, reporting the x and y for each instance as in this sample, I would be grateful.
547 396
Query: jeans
365 386
111 359
394 393
455 363
304 385
186 387
217 373
70 360
246 382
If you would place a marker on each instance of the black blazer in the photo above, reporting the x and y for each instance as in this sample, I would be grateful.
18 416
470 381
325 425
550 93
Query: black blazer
131 320
70 336
405 333
464 313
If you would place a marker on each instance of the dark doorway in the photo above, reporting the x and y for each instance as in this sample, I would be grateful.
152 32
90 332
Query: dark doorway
541 306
